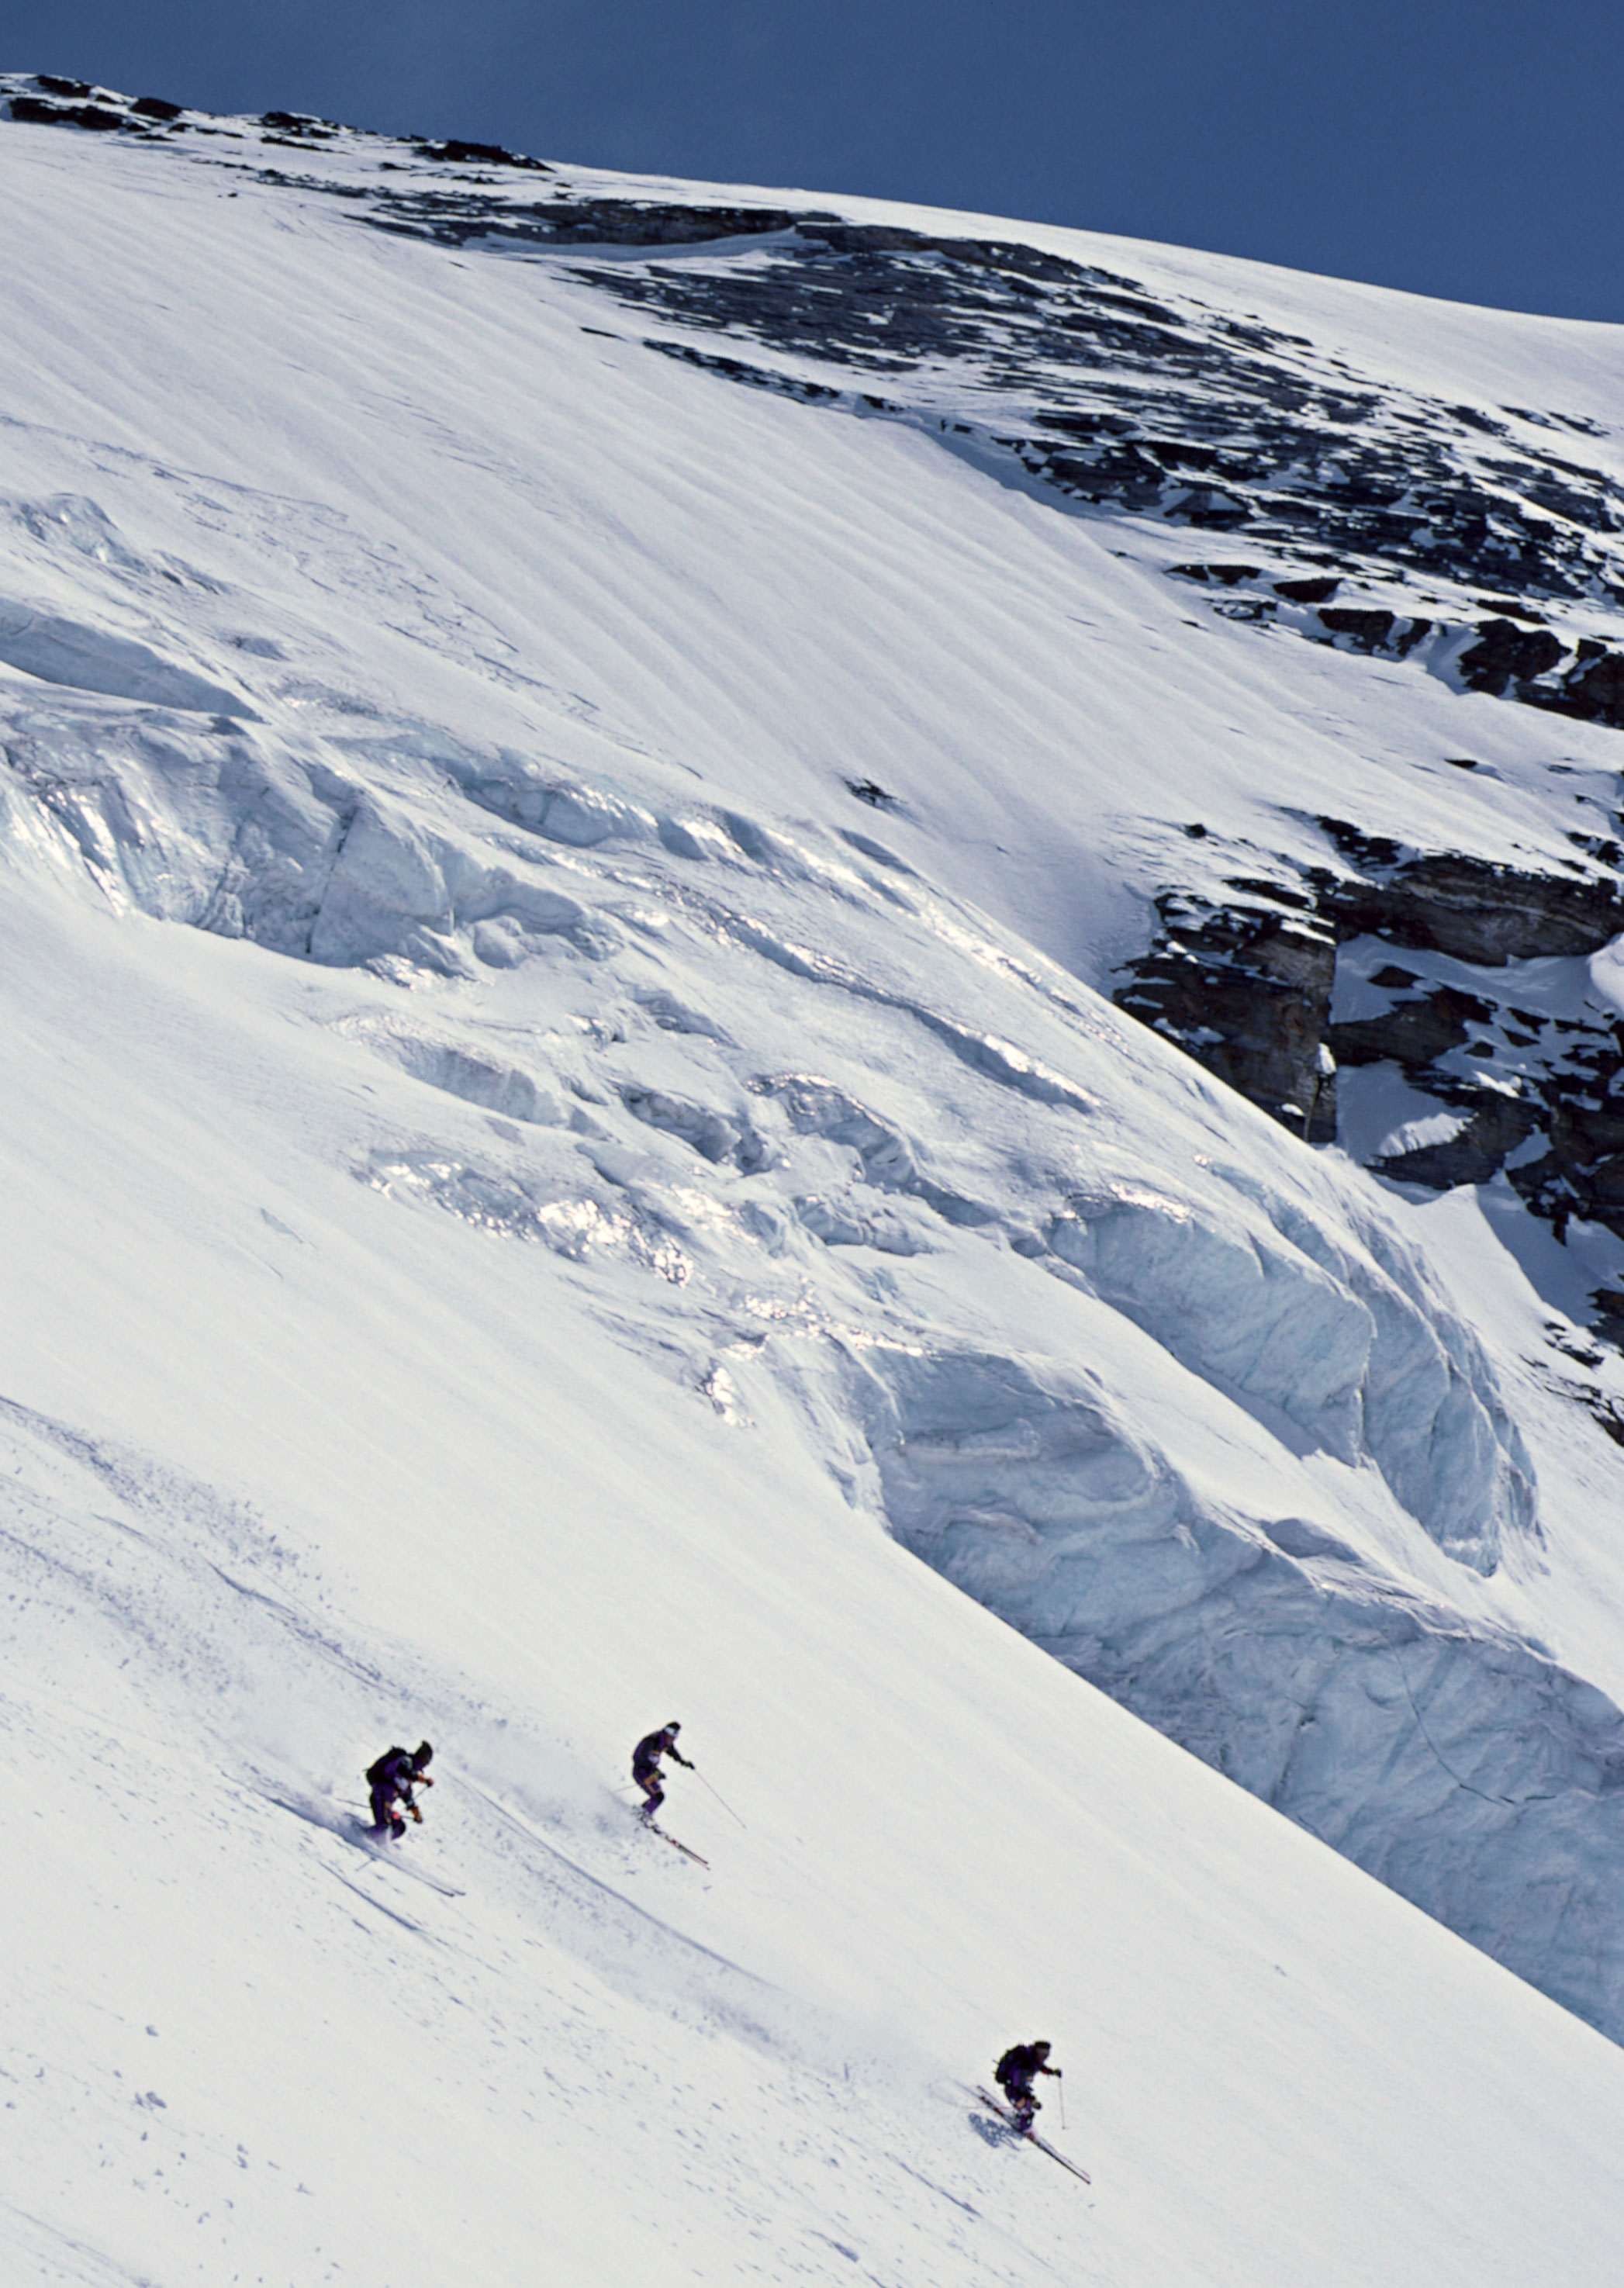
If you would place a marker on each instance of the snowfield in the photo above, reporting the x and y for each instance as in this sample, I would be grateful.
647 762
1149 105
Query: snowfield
568 1162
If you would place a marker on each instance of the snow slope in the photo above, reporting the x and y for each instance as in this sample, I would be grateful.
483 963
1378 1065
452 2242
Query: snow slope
586 1206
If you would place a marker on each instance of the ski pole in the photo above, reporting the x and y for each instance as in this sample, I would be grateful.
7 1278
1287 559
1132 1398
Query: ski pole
1060 2078
726 1807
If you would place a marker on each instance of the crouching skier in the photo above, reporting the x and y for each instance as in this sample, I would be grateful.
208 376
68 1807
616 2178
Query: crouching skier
645 1766
392 1780
1015 2073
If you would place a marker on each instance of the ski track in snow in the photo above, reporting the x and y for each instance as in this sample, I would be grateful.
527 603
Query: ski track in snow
138 1775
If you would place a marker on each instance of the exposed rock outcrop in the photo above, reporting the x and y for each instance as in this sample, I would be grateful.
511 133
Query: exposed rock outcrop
1465 907
1505 659
1247 990
1297 977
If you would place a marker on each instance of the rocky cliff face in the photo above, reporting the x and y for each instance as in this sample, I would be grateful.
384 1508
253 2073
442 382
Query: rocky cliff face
1247 990
1469 981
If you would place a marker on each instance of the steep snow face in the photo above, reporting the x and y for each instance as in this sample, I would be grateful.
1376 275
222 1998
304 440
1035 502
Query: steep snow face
290 1470
700 824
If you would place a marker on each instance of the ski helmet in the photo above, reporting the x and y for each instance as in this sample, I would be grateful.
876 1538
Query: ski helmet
424 1754
673 1727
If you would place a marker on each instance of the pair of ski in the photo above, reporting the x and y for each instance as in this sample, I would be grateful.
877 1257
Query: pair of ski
383 1847
1031 2136
675 1845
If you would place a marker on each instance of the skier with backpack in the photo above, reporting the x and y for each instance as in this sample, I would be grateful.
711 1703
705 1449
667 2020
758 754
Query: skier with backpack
391 1779
645 1766
1015 2073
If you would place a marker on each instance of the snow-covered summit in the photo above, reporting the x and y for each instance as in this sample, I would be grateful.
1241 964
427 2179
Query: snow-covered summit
567 863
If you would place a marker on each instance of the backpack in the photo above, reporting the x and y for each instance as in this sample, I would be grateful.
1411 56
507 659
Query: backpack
376 1772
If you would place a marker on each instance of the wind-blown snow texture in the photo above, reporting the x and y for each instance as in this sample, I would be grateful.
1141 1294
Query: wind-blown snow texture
563 1128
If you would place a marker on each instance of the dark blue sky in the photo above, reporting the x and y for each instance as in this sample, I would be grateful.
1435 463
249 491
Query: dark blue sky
1474 152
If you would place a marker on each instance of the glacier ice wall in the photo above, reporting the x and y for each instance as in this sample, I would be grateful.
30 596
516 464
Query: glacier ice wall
1455 1762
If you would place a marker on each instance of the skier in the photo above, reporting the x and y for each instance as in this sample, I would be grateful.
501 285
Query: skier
1015 2073
393 1778
645 1766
